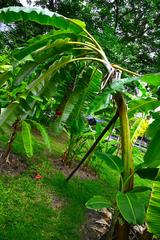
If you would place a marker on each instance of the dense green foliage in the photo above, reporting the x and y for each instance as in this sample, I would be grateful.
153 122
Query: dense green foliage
65 75
130 29
45 208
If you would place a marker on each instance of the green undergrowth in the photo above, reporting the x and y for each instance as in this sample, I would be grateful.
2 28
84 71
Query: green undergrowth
58 147
47 208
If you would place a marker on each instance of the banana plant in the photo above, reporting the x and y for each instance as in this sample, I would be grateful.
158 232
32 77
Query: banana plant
130 203
25 127
41 63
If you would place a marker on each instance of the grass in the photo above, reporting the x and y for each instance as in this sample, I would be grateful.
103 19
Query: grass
28 206
24 209
49 208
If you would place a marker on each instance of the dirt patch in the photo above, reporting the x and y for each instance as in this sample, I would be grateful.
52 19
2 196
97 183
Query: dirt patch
56 202
83 172
15 166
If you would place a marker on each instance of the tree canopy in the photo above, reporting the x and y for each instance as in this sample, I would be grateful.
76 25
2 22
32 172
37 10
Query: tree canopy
128 31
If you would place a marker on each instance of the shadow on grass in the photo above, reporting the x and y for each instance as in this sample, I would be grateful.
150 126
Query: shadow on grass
74 194
26 205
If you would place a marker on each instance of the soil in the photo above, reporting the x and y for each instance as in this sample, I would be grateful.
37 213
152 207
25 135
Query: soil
56 203
83 172
15 166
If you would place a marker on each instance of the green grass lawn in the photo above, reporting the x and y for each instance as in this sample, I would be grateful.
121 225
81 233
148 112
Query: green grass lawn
48 208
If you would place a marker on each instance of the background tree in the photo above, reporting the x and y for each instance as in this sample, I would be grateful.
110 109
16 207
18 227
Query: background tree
14 35
130 28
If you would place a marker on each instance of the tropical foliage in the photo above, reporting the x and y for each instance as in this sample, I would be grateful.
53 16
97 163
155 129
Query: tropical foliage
65 75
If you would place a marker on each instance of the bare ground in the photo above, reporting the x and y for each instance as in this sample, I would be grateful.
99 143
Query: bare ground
83 172
16 164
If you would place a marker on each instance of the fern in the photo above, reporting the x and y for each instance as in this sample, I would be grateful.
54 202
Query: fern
27 138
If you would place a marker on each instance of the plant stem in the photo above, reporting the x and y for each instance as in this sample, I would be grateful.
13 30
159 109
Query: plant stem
122 228
10 142
69 150
113 120
125 70
127 175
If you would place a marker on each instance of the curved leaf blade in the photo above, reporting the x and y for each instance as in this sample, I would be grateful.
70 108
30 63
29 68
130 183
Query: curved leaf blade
153 211
98 202
131 208
44 134
119 85
148 173
8 117
152 79
27 139
41 16
154 127
152 156
140 189
41 41
142 105
112 161
140 129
